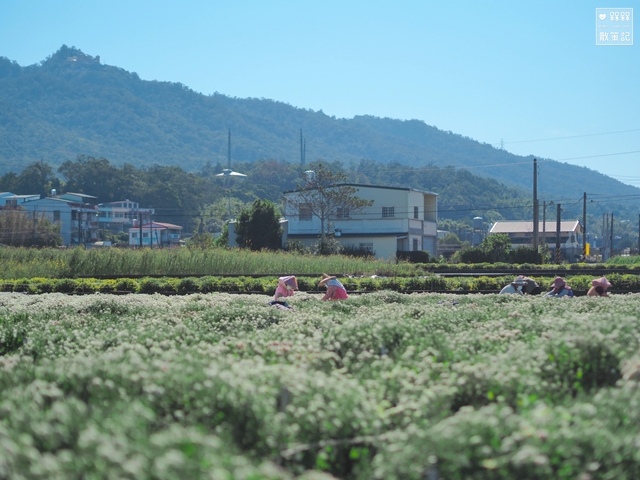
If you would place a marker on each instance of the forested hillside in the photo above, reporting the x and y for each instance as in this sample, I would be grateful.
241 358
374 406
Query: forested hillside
199 200
71 105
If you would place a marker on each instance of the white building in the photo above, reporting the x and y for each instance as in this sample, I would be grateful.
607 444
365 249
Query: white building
122 215
74 212
155 234
399 220
521 234
8 199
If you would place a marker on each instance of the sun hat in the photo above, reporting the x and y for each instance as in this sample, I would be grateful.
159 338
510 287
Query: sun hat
289 281
558 283
601 282
325 278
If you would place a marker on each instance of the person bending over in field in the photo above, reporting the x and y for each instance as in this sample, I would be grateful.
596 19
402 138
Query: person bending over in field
523 286
599 287
335 289
559 288
286 287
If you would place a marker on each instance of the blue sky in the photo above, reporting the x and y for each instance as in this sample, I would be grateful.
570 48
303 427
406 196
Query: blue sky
522 75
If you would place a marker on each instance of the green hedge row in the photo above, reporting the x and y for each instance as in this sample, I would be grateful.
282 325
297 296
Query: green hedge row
266 285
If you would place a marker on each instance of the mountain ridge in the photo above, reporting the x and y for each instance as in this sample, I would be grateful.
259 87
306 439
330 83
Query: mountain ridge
71 104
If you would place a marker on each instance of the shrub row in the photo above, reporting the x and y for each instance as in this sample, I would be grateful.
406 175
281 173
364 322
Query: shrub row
266 285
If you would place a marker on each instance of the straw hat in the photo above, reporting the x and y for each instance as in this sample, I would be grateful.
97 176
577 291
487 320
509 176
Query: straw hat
601 282
289 281
326 278
558 283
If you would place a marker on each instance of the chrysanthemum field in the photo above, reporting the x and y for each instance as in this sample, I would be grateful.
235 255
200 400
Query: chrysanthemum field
381 386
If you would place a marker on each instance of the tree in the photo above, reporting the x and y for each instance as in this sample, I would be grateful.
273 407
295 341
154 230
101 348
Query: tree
92 176
497 247
20 229
37 178
494 248
322 192
259 228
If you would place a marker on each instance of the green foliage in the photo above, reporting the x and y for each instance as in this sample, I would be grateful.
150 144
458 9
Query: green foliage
19 228
494 248
170 132
30 263
525 255
413 257
258 228
383 385
201 240
328 246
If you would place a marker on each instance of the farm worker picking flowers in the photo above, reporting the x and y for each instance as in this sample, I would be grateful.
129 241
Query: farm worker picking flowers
335 289
286 288
559 288
599 287
523 286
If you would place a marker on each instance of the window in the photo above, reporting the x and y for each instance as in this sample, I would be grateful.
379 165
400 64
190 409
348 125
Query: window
134 234
304 213
366 246
415 245
342 212
415 212
56 215
388 212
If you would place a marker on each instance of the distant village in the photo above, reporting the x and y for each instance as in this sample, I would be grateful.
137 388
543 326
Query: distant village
398 220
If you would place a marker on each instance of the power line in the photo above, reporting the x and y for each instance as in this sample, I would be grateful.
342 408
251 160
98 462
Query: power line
598 156
571 136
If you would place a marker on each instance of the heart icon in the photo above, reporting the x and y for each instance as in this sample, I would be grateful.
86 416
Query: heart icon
602 16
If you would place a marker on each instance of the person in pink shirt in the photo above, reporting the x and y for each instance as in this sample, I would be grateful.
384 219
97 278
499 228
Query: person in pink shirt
335 289
286 287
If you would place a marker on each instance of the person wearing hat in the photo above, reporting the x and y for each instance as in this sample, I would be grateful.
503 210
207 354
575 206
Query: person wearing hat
559 288
516 286
523 286
335 289
286 287
599 287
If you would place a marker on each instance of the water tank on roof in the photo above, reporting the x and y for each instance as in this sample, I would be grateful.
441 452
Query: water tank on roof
477 223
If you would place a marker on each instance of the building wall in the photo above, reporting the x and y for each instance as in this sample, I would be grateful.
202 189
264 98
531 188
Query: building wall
122 215
49 207
398 219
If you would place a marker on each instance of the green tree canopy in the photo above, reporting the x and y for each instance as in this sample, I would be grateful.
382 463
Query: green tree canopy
19 228
259 228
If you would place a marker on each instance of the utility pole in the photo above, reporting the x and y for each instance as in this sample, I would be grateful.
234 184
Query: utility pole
558 254
229 150
611 250
544 225
584 225
605 228
536 208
